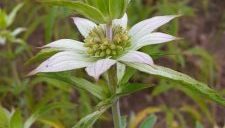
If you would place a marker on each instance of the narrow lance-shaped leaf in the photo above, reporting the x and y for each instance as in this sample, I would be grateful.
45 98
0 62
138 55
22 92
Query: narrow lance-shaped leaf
129 88
89 120
16 120
80 7
149 122
199 125
3 19
185 79
42 55
12 15
4 118
117 8
79 83
40 111
102 5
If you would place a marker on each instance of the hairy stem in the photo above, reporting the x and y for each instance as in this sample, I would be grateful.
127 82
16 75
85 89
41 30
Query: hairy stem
112 81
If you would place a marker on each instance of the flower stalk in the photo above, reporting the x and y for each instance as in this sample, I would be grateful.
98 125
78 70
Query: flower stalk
112 82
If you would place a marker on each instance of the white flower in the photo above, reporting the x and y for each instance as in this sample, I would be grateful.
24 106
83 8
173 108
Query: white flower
97 54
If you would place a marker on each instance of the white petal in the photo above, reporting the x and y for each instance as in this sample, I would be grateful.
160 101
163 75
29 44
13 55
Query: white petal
63 61
136 57
66 44
147 26
96 69
84 25
153 38
121 22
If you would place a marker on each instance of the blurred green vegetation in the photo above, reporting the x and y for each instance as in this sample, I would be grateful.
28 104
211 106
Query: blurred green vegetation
50 103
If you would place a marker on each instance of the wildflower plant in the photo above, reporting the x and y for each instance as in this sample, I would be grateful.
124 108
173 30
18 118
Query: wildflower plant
108 48
11 45
5 22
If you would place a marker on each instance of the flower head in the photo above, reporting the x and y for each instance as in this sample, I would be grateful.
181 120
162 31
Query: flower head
100 46
97 53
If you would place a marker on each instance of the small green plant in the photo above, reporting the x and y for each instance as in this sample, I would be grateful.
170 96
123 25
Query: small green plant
110 50
8 38
5 22
14 118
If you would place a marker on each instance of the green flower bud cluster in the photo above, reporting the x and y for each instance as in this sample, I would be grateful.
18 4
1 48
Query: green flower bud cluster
98 45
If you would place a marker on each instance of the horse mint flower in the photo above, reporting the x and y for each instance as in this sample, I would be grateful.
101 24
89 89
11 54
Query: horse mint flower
100 46
97 53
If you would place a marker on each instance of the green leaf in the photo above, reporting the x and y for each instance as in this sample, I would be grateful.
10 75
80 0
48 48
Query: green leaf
199 99
17 31
117 8
129 88
185 79
40 111
12 15
3 19
80 83
123 122
192 111
4 118
149 122
199 125
16 120
50 20
169 117
42 55
128 74
89 120
161 88
80 7
102 5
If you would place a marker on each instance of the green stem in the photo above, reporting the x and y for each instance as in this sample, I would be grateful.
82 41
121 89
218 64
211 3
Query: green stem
12 61
112 81
15 72
116 114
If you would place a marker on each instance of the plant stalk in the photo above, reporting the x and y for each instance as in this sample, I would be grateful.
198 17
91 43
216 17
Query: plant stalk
112 83
12 61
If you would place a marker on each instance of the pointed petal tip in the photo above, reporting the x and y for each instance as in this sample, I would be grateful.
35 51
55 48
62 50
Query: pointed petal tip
41 47
179 15
32 73
137 57
178 38
96 77
175 16
75 18
84 25
99 67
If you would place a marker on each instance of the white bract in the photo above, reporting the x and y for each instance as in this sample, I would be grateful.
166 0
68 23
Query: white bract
98 58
